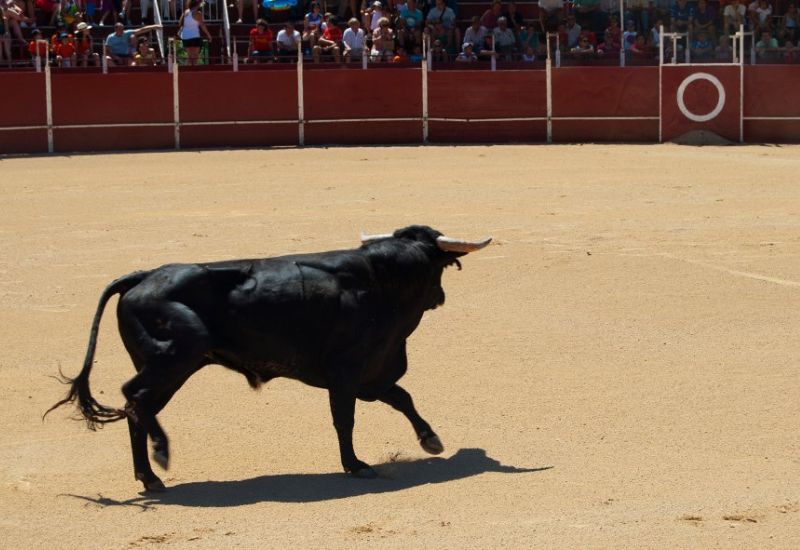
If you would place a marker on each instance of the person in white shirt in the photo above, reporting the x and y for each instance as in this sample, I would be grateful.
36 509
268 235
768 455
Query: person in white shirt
353 41
475 32
288 40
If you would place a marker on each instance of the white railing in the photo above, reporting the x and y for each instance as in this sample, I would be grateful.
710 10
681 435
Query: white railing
226 29
160 31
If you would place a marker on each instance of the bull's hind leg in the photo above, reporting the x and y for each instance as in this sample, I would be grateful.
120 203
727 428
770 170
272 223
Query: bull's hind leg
166 355
399 399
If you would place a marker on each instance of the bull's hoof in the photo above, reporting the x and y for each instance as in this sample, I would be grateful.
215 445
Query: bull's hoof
431 444
161 456
151 483
364 473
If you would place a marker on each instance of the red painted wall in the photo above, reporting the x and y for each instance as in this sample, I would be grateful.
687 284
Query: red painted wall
221 108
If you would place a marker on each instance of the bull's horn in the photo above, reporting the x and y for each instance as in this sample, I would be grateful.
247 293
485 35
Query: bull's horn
366 239
454 245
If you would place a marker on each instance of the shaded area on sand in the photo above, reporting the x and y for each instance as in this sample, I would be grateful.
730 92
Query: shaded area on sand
393 476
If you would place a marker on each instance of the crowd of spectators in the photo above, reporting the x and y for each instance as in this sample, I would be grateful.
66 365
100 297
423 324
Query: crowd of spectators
390 31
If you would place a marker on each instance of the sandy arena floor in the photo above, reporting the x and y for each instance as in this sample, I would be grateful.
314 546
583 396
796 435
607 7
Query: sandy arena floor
619 369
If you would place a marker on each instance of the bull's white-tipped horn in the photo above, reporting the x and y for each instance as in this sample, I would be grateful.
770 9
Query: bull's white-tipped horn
455 245
366 239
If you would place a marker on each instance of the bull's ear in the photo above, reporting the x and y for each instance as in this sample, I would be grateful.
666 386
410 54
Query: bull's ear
449 244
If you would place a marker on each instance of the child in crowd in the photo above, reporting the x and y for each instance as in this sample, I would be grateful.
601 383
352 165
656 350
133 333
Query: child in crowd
584 47
83 45
145 55
702 47
37 46
65 51
529 55
723 50
641 48
466 55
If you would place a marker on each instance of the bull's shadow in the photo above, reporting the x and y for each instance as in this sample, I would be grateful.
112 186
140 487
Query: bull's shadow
393 476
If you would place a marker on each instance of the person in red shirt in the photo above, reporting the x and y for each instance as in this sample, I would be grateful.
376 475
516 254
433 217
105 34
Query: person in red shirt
65 51
260 48
330 40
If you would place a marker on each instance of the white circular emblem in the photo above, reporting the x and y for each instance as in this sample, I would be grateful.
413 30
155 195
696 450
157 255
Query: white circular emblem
720 101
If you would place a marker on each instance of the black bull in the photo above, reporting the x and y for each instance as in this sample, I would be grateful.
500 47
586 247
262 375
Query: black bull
335 320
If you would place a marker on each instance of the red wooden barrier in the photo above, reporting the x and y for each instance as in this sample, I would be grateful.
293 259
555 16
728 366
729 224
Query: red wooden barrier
486 94
336 94
24 105
112 99
762 105
228 97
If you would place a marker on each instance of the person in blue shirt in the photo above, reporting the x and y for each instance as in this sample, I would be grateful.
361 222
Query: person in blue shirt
682 16
118 46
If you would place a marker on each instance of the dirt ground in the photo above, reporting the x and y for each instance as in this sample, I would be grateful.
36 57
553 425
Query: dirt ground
618 369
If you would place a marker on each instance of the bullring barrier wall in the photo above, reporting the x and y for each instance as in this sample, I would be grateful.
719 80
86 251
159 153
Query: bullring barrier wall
69 111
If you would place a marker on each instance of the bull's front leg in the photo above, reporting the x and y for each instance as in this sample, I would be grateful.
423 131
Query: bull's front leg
400 400
343 408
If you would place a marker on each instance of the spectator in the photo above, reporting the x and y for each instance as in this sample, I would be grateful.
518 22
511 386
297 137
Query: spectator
584 47
404 36
260 45
65 51
487 50
383 41
760 12
490 16
681 16
613 33
439 53
145 55
504 39
655 33
329 42
5 39
767 47
400 56
611 43
239 9
443 15
466 55
372 15
69 10
734 16
702 46
788 24
528 38
438 32
289 40
37 46
791 55
475 32
588 13
573 31
312 25
550 13
353 41
118 44
529 55
629 36
723 50
641 48
189 27
513 17
51 9
13 17
413 15
83 46
115 7
639 12
705 17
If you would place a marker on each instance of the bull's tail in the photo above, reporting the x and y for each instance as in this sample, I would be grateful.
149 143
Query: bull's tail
93 412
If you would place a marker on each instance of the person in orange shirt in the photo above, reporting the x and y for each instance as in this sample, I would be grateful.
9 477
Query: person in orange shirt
40 49
65 51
